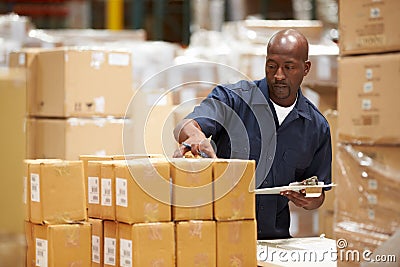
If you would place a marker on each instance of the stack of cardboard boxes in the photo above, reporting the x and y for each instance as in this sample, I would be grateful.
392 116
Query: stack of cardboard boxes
150 211
55 227
76 100
368 154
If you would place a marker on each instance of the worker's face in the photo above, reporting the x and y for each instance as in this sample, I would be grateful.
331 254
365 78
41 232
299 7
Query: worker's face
285 69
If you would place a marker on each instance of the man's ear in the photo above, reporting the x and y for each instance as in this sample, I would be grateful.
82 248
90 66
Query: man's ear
307 67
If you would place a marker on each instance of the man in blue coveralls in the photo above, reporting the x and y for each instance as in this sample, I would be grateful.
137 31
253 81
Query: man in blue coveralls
250 119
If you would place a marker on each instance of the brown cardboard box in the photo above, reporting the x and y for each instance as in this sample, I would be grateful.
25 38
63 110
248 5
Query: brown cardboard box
367 99
107 189
234 189
97 242
192 192
237 243
369 179
143 191
57 192
27 59
153 244
70 138
111 244
84 82
30 249
12 143
325 223
368 26
196 243
62 245
93 189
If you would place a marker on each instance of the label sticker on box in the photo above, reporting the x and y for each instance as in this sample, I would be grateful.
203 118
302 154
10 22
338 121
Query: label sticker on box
99 104
118 59
95 248
373 184
106 196
125 252
375 12
93 190
371 214
109 251
25 190
21 59
323 68
97 59
41 252
372 199
368 74
122 192
368 87
366 104
35 187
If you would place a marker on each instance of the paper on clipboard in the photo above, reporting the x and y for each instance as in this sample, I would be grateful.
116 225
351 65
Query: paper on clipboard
311 190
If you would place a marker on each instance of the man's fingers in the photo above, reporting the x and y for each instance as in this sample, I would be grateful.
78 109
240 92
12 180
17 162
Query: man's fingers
297 198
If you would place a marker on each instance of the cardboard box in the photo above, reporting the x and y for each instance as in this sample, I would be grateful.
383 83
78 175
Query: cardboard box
303 223
192 192
12 143
111 244
143 191
93 189
84 82
97 242
367 99
234 189
325 223
153 244
57 192
27 59
107 189
196 243
70 138
369 179
62 245
368 26
237 243
30 249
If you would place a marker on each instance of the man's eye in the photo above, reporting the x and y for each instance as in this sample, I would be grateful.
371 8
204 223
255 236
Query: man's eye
289 67
271 66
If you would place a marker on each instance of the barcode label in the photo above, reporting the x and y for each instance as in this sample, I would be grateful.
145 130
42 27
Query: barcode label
41 252
35 187
25 192
106 195
122 192
109 251
93 190
95 248
125 252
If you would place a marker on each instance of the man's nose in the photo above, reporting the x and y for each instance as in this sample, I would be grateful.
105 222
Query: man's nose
279 74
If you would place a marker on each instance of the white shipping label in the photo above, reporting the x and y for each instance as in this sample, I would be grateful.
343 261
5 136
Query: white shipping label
373 184
21 59
95 248
368 87
118 59
106 195
93 190
375 12
372 199
35 187
366 104
121 192
100 104
25 191
125 253
109 251
369 74
41 252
